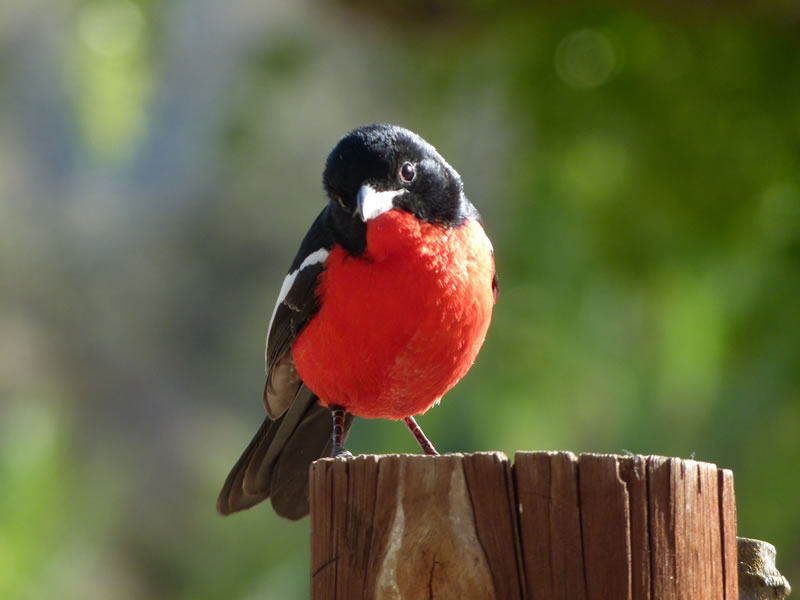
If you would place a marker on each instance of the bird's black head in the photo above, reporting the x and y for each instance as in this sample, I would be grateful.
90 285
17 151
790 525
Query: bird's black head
380 167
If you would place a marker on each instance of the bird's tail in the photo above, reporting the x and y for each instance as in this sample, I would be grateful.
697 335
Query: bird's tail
275 464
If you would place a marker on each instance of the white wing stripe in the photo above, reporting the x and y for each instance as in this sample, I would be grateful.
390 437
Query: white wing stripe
315 257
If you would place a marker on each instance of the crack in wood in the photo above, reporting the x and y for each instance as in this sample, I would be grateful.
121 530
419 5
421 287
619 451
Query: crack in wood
650 549
581 528
324 566
430 579
371 538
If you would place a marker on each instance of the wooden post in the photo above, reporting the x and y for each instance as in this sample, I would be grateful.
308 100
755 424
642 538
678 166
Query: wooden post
555 526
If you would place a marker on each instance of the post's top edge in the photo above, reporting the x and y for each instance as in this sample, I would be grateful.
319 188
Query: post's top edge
653 460
497 455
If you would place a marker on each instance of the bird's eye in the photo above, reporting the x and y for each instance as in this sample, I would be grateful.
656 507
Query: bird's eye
407 172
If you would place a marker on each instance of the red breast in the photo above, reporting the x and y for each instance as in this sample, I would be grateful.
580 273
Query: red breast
399 325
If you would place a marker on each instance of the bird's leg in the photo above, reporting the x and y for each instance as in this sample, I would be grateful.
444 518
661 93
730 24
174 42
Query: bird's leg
423 442
339 414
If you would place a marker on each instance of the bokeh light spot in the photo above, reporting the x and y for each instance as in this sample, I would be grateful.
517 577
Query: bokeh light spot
110 28
585 59
594 168
111 76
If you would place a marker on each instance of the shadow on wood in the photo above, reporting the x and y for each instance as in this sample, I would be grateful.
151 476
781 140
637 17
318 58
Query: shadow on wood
554 526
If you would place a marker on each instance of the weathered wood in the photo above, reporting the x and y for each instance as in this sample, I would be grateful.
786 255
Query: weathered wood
555 527
686 546
550 525
605 528
727 513
412 526
759 578
633 471
490 484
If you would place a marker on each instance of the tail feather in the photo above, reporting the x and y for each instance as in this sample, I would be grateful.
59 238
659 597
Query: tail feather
232 497
258 473
289 483
276 462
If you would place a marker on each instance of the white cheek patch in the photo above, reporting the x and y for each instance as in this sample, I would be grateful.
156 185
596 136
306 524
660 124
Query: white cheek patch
316 257
372 203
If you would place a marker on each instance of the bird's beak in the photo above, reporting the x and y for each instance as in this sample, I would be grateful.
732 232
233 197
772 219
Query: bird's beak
371 203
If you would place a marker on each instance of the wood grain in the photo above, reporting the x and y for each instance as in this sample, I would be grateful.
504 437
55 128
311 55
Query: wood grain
550 527
633 471
727 517
605 528
492 495
554 526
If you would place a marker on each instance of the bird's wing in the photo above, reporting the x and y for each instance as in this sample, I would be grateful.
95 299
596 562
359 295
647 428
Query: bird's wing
296 304
297 429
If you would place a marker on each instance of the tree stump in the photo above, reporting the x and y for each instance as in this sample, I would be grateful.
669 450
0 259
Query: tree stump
554 526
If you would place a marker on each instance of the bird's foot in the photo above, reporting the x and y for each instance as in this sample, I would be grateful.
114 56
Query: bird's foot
338 413
423 441
341 453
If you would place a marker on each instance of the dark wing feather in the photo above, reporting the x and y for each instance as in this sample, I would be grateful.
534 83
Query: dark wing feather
291 315
232 497
289 480
295 307
297 429
258 474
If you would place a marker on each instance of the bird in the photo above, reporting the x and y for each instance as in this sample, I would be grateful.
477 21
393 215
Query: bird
383 310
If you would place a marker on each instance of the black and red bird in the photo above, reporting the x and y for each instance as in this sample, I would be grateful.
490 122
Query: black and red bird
384 309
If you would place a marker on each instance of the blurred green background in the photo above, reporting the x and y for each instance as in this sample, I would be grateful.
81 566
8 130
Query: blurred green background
637 170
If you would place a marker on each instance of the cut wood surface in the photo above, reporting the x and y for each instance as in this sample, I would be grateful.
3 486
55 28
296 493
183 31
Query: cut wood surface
554 526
